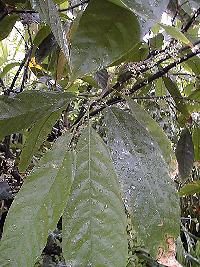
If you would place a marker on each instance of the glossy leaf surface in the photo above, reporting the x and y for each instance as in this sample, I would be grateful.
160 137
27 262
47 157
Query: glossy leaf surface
160 88
95 43
147 188
155 131
147 11
94 222
19 112
37 207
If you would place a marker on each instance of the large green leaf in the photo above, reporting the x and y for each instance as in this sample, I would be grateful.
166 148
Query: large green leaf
37 207
37 135
148 191
94 222
148 11
185 154
195 106
105 32
18 113
156 132
49 14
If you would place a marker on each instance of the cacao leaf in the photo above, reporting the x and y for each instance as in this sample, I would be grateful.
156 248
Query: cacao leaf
37 135
95 43
147 11
94 222
20 112
155 131
148 190
37 207
196 142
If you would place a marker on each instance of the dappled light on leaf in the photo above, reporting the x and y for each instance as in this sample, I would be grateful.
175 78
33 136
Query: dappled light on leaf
147 188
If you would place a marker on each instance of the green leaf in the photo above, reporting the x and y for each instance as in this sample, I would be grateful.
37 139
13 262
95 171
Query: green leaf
190 189
185 154
175 93
155 131
193 65
160 87
175 33
148 191
7 68
49 14
196 142
156 42
41 35
194 106
105 32
139 52
47 46
147 11
37 207
19 112
37 135
6 25
94 222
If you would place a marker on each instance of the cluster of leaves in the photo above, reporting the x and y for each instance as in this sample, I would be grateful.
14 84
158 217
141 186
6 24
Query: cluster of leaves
87 64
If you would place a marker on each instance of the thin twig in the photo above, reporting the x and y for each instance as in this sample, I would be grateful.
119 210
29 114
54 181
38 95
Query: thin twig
18 72
21 11
191 21
26 46
163 71
140 85
165 98
24 79
26 70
